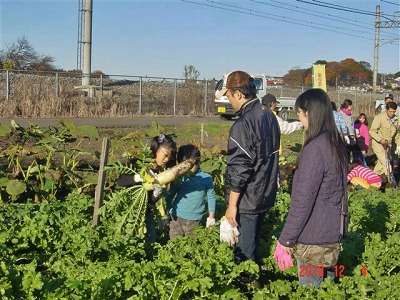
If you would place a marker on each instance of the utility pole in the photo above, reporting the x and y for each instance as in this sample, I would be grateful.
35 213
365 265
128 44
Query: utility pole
376 48
80 34
87 42
394 23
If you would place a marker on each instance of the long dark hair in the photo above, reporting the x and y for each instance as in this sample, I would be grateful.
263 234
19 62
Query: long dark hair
317 105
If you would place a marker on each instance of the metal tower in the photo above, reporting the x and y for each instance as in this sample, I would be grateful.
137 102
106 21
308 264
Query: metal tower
84 50
80 36
394 23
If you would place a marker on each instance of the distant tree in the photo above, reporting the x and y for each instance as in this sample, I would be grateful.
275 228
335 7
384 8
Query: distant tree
333 70
45 63
397 74
360 76
295 77
190 72
365 64
98 73
321 62
308 80
354 72
24 57
346 72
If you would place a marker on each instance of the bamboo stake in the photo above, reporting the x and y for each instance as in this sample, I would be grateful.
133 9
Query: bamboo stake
100 181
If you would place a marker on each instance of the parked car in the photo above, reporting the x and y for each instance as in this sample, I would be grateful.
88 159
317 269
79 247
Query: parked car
222 105
224 108
285 106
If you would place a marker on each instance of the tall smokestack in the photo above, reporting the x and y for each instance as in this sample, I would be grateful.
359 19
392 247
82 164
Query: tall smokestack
87 42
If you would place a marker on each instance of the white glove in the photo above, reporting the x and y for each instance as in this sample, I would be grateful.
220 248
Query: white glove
236 234
228 233
210 222
157 190
397 150
347 140
137 178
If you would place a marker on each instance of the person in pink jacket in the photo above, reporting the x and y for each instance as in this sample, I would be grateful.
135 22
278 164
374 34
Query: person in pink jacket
362 124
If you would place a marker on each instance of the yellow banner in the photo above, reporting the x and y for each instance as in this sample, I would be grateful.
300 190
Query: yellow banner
318 77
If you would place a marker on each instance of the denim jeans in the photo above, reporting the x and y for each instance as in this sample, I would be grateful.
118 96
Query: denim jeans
249 228
310 275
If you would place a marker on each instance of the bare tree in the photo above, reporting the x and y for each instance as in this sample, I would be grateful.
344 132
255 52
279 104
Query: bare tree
190 72
23 56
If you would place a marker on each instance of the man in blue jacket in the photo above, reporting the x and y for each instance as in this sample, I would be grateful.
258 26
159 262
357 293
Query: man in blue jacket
252 163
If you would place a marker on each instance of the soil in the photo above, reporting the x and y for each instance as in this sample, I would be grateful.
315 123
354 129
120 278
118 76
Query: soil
95 145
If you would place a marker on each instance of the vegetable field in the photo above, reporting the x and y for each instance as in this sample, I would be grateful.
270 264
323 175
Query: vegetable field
50 250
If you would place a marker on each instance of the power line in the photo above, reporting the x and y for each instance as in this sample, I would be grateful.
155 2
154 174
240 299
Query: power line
265 15
333 7
365 23
397 4
318 15
356 10
340 8
278 18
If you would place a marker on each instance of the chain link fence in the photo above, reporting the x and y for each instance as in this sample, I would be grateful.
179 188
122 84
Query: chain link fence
60 94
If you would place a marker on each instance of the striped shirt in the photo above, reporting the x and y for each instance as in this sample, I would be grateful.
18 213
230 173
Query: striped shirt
364 173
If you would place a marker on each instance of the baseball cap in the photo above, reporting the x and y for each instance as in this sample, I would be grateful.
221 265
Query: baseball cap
268 99
233 80
389 96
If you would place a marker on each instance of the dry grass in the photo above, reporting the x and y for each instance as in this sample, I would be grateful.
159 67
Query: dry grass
35 96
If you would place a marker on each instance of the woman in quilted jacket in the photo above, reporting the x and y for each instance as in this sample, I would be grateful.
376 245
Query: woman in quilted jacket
317 218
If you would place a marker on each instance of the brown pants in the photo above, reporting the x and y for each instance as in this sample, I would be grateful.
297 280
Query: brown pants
380 167
181 227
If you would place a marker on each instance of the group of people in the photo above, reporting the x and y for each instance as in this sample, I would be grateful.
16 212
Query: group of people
318 217
383 137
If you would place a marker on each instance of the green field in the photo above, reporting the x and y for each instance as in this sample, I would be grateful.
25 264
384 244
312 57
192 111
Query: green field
50 250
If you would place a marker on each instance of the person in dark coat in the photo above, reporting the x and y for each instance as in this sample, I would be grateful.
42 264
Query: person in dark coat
317 218
252 164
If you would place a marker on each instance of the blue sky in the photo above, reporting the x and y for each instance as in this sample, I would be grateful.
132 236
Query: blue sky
158 38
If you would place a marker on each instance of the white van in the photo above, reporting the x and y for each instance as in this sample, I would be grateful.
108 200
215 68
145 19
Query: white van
222 105
224 108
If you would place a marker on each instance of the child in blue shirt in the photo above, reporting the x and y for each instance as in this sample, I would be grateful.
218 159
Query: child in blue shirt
186 199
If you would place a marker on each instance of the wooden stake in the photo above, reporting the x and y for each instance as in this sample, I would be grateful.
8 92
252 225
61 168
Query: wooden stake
100 181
